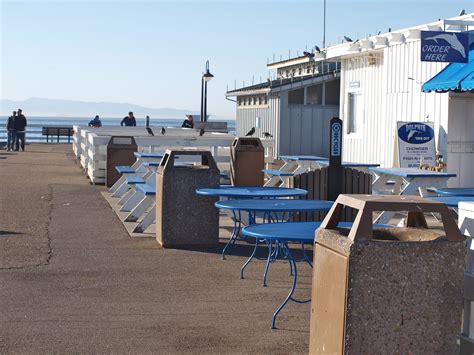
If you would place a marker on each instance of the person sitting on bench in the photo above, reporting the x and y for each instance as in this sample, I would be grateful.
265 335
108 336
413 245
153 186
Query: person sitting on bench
188 122
95 122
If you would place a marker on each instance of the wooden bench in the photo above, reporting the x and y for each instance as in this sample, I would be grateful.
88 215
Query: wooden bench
57 132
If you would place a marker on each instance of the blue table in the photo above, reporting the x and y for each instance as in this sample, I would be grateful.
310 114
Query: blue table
251 192
303 157
454 191
274 211
452 201
238 192
407 181
298 232
141 155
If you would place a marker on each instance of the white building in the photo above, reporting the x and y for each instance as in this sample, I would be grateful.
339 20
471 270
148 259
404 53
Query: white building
295 108
381 83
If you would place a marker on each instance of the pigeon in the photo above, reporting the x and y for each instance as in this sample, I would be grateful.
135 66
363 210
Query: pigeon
267 135
163 130
347 39
379 33
251 132
317 49
201 132
462 13
308 54
389 29
149 130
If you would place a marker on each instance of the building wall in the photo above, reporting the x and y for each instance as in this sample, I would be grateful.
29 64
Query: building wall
388 96
246 118
304 129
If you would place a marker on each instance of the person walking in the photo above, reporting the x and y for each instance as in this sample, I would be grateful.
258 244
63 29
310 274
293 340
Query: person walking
129 120
19 125
11 131
95 122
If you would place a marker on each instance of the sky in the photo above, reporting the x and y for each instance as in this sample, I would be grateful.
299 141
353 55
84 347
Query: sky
153 53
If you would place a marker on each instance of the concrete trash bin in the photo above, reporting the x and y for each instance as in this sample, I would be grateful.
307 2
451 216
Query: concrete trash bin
247 160
387 290
466 225
119 152
182 217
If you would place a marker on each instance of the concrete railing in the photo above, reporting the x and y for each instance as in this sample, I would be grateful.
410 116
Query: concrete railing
90 145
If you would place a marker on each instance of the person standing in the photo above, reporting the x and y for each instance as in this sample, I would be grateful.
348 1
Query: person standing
129 120
188 122
19 125
11 131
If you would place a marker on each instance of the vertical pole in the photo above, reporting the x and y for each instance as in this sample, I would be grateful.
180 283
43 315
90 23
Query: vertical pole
324 25
335 170
202 99
205 102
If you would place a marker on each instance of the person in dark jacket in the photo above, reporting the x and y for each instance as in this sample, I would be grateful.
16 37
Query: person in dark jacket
129 120
188 122
95 122
19 125
11 131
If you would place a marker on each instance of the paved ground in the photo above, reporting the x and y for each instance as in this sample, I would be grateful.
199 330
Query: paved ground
72 280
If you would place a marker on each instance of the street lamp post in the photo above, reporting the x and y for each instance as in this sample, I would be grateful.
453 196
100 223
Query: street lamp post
206 76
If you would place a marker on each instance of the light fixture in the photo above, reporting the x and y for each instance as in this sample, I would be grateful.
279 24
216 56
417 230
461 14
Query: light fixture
206 76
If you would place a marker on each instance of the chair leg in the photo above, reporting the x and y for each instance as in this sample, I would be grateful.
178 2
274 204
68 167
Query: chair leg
132 202
147 221
139 210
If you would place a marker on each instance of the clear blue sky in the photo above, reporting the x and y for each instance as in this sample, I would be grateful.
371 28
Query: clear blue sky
152 53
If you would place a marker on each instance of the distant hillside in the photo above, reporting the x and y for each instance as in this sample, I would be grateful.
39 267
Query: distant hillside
70 108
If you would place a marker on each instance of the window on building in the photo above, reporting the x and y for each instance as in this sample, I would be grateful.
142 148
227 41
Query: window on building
355 112
296 97
300 71
332 92
265 100
314 95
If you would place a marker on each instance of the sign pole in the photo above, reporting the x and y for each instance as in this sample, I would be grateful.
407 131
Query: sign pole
335 170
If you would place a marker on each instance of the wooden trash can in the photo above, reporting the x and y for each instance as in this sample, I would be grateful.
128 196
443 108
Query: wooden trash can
387 290
247 160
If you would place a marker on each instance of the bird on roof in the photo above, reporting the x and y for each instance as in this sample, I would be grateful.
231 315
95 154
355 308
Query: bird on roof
201 132
379 33
267 135
347 39
150 131
308 54
163 130
462 13
317 49
251 132
389 29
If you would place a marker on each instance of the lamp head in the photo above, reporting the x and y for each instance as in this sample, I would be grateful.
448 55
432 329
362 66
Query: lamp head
207 76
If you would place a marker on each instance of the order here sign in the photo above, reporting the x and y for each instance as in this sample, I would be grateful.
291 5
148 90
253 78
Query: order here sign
439 46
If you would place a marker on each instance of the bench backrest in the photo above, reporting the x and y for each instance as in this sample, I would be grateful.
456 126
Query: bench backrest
57 131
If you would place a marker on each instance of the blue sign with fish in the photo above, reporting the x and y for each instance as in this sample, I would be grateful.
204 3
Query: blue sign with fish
415 133
439 46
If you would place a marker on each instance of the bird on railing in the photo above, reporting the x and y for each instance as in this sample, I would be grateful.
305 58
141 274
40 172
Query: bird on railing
317 49
462 13
201 132
348 39
267 135
163 130
150 131
251 132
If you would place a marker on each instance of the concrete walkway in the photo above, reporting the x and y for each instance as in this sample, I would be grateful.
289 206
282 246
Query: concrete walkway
72 280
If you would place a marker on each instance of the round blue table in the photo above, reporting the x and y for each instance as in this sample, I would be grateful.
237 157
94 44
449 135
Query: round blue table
298 232
452 201
275 210
251 192
454 191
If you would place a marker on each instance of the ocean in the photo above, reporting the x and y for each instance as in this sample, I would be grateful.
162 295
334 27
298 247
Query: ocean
33 130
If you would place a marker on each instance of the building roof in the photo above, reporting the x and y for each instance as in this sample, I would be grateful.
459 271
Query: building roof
269 85
380 41
454 77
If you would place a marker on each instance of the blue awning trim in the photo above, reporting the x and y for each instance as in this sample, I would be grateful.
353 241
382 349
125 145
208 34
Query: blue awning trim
454 77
